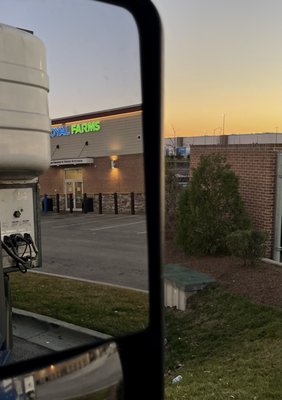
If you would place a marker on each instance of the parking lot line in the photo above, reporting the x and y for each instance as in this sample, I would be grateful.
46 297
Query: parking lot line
82 221
116 226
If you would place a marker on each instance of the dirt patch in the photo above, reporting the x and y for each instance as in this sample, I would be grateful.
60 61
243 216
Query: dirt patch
261 283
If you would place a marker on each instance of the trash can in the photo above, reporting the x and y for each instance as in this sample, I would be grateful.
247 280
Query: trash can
89 204
49 205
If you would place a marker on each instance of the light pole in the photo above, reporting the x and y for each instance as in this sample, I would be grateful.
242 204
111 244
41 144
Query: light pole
276 130
223 123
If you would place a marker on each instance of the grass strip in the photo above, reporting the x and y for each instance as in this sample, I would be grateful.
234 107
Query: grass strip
225 347
107 309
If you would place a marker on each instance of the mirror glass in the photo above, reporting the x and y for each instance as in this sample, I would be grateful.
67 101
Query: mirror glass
93 272
95 374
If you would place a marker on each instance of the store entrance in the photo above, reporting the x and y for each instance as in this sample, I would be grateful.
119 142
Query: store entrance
74 189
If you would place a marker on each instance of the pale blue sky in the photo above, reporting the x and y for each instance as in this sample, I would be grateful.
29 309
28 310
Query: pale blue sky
92 52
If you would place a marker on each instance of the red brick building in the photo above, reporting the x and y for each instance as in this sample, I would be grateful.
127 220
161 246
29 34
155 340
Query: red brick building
256 159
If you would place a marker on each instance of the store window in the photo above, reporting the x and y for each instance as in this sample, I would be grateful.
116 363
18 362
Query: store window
73 173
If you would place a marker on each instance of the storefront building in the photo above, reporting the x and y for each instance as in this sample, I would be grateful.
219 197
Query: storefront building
95 153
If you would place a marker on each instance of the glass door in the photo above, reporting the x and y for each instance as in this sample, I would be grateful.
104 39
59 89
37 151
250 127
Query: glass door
69 194
73 189
78 195
74 194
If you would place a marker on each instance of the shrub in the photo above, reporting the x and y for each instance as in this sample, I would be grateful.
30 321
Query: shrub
247 244
210 208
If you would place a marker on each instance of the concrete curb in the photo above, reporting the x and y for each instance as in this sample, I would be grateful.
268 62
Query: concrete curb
63 324
270 261
36 334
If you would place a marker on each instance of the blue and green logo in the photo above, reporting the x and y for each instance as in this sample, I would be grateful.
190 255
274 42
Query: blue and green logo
74 129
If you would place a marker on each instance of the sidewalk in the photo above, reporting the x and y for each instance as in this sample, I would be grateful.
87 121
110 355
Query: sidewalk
35 335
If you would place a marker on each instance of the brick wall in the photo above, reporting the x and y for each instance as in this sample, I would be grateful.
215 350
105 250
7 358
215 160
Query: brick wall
100 177
52 181
255 164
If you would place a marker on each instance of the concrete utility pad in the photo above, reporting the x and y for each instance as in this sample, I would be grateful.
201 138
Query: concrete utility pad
180 282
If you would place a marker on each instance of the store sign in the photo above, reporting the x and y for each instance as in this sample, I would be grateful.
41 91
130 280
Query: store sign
72 161
60 131
93 126
74 129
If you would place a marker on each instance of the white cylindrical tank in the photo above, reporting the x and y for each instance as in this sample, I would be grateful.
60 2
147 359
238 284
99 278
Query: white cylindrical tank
24 115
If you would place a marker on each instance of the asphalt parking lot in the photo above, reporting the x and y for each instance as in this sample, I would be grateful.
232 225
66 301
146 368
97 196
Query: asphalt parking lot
101 247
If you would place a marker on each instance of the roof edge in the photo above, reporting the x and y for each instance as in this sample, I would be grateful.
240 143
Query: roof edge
98 114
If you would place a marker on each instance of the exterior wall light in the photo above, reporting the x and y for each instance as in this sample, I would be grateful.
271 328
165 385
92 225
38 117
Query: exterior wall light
114 162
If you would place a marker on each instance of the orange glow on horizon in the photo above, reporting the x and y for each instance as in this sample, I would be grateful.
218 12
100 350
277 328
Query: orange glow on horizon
224 58
198 117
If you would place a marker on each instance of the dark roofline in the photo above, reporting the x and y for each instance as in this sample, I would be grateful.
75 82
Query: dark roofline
98 114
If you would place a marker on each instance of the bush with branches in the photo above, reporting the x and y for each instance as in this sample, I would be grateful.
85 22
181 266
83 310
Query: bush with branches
210 208
247 244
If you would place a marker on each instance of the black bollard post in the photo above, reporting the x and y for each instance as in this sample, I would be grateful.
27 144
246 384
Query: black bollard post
71 203
58 202
132 203
116 203
85 204
100 203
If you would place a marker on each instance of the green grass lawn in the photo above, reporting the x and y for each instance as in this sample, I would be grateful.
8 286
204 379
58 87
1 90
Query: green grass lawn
103 308
223 346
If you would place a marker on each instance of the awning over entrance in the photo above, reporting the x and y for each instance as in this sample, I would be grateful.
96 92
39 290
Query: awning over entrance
72 161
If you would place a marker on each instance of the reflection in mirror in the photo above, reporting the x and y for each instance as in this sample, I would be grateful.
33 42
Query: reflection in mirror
72 215
95 374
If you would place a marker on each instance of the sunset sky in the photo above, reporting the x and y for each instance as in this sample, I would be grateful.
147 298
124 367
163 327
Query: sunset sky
223 65
222 60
